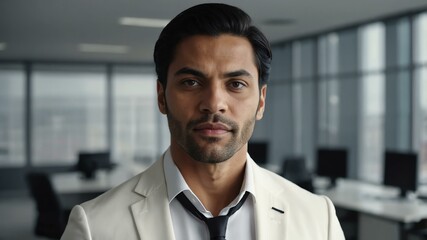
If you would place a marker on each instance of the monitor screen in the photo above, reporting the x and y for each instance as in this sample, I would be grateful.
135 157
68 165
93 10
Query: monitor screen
258 152
101 159
332 163
400 170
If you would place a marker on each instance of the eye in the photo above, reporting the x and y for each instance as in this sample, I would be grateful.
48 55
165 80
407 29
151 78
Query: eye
237 85
190 83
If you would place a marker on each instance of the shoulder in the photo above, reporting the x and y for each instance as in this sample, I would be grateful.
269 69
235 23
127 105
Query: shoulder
127 193
293 195
90 218
101 216
311 214
114 198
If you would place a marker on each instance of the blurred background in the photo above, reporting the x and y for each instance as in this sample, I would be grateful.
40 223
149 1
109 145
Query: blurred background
346 106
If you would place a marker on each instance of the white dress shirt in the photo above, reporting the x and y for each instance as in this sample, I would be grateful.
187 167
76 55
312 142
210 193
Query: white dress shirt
241 225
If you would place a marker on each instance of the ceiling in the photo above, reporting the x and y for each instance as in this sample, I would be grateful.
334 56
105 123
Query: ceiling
51 30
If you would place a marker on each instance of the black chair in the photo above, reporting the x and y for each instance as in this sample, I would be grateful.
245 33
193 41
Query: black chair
51 216
295 170
418 230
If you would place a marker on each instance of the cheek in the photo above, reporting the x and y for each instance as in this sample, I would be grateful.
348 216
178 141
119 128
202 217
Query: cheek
246 109
179 107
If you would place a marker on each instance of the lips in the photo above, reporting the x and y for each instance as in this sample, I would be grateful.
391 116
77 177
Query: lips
212 128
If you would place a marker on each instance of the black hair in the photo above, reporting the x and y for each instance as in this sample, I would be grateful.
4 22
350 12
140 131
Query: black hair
211 19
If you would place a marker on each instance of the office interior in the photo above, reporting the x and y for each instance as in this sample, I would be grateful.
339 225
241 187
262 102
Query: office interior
346 112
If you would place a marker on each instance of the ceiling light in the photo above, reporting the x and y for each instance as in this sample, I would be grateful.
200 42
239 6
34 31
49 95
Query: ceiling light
144 22
2 46
103 48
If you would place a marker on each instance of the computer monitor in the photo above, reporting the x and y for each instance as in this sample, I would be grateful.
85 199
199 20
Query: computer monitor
401 171
332 163
258 152
89 162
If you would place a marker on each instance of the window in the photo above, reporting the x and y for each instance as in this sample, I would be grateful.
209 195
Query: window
303 71
420 32
338 94
328 90
12 118
278 114
69 113
135 118
420 92
398 86
372 102
329 110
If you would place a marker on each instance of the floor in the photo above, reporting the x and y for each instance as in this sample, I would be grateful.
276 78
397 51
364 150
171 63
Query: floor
17 218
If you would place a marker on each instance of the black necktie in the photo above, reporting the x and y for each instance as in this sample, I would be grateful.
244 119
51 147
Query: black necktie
217 225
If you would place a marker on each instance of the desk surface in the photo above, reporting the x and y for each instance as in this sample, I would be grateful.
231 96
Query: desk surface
73 182
376 200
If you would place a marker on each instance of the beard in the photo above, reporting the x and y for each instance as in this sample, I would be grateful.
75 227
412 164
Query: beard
210 149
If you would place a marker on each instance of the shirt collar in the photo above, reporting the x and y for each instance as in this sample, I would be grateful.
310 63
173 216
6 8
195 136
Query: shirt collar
174 180
176 184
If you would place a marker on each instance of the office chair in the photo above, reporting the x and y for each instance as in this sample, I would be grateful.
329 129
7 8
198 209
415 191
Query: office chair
51 216
294 169
418 230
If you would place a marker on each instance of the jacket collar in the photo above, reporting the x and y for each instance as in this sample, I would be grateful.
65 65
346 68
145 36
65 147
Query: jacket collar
151 214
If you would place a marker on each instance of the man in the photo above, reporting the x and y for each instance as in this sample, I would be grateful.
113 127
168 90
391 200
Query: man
212 68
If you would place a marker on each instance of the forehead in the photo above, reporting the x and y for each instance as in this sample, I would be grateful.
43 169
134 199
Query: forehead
222 50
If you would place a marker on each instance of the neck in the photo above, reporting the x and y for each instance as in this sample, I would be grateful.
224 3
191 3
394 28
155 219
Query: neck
216 185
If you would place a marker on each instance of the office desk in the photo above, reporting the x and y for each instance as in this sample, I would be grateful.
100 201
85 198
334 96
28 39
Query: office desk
378 202
72 189
75 183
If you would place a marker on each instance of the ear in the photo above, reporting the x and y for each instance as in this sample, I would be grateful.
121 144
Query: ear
161 98
261 104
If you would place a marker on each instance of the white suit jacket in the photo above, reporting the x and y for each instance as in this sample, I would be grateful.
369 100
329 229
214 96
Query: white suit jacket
139 209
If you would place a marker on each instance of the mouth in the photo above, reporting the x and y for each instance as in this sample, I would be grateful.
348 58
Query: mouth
212 129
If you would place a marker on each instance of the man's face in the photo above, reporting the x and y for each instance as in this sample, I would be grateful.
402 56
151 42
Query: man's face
212 98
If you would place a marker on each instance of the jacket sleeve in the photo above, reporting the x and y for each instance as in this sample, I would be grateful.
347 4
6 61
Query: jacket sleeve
334 228
77 226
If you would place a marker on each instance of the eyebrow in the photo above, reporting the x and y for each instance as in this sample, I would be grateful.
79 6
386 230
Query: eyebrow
238 73
197 73
191 71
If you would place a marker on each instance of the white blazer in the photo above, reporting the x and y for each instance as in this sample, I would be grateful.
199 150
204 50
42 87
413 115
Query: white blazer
139 209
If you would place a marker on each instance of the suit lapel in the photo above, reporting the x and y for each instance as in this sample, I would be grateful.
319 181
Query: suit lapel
151 214
270 210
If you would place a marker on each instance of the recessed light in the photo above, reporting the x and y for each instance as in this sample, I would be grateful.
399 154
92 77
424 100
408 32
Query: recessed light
144 22
2 46
103 48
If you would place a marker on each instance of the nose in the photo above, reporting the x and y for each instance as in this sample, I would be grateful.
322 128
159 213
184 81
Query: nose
214 100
